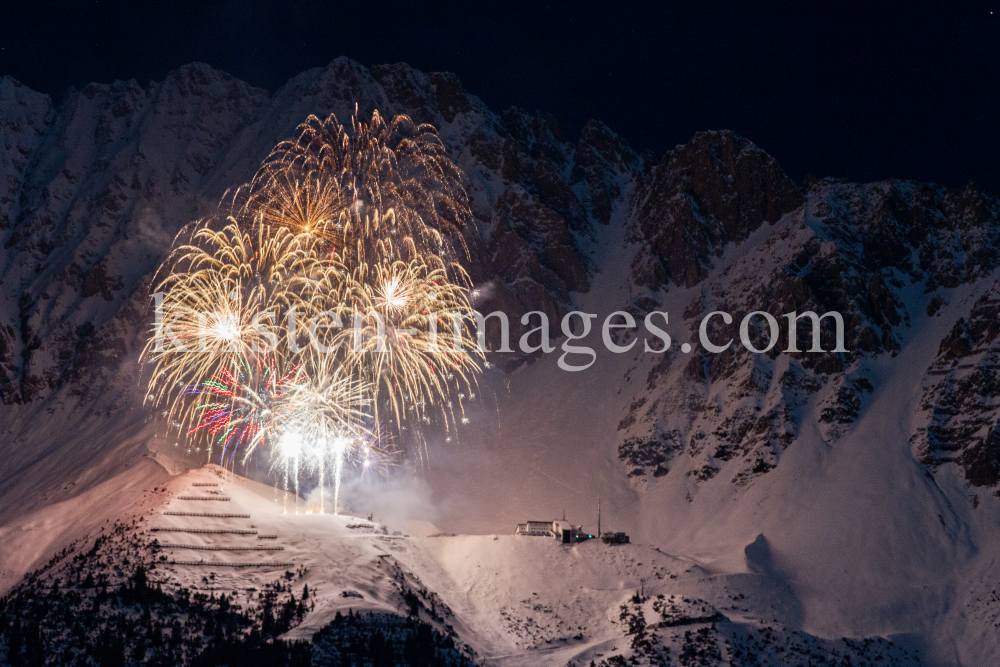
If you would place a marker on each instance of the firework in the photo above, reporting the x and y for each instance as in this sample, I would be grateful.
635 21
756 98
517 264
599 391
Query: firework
222 298
329 309
323 427
412 342
372 192
241 405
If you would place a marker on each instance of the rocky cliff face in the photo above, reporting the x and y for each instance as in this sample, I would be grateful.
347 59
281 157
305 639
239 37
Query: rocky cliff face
702 196
957 418
717 215
108 177
94 188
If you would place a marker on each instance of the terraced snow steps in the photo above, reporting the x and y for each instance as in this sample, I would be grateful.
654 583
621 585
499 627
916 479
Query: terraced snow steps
202 547
234 565
206 531
209 514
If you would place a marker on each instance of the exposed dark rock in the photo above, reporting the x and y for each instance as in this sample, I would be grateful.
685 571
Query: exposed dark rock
714 190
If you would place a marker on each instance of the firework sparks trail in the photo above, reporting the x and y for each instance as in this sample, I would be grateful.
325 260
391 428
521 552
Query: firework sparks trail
222 289
356 230
324 427
241 401
373 192
415 345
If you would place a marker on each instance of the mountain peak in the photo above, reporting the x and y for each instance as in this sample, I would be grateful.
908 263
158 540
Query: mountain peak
715 189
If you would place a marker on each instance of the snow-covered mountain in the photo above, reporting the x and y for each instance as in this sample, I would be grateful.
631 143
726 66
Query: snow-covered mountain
212 568
871 475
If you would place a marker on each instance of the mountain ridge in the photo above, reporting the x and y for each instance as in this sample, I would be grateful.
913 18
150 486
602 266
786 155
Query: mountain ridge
94 189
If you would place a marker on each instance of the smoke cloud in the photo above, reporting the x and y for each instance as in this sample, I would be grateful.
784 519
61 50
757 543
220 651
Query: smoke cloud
388 500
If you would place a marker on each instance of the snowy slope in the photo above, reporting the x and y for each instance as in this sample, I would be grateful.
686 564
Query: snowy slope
507 600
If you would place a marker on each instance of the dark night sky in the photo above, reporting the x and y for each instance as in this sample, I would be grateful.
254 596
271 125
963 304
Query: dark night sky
862 90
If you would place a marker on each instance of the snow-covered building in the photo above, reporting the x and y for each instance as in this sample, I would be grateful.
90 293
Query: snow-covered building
563 531
535 528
